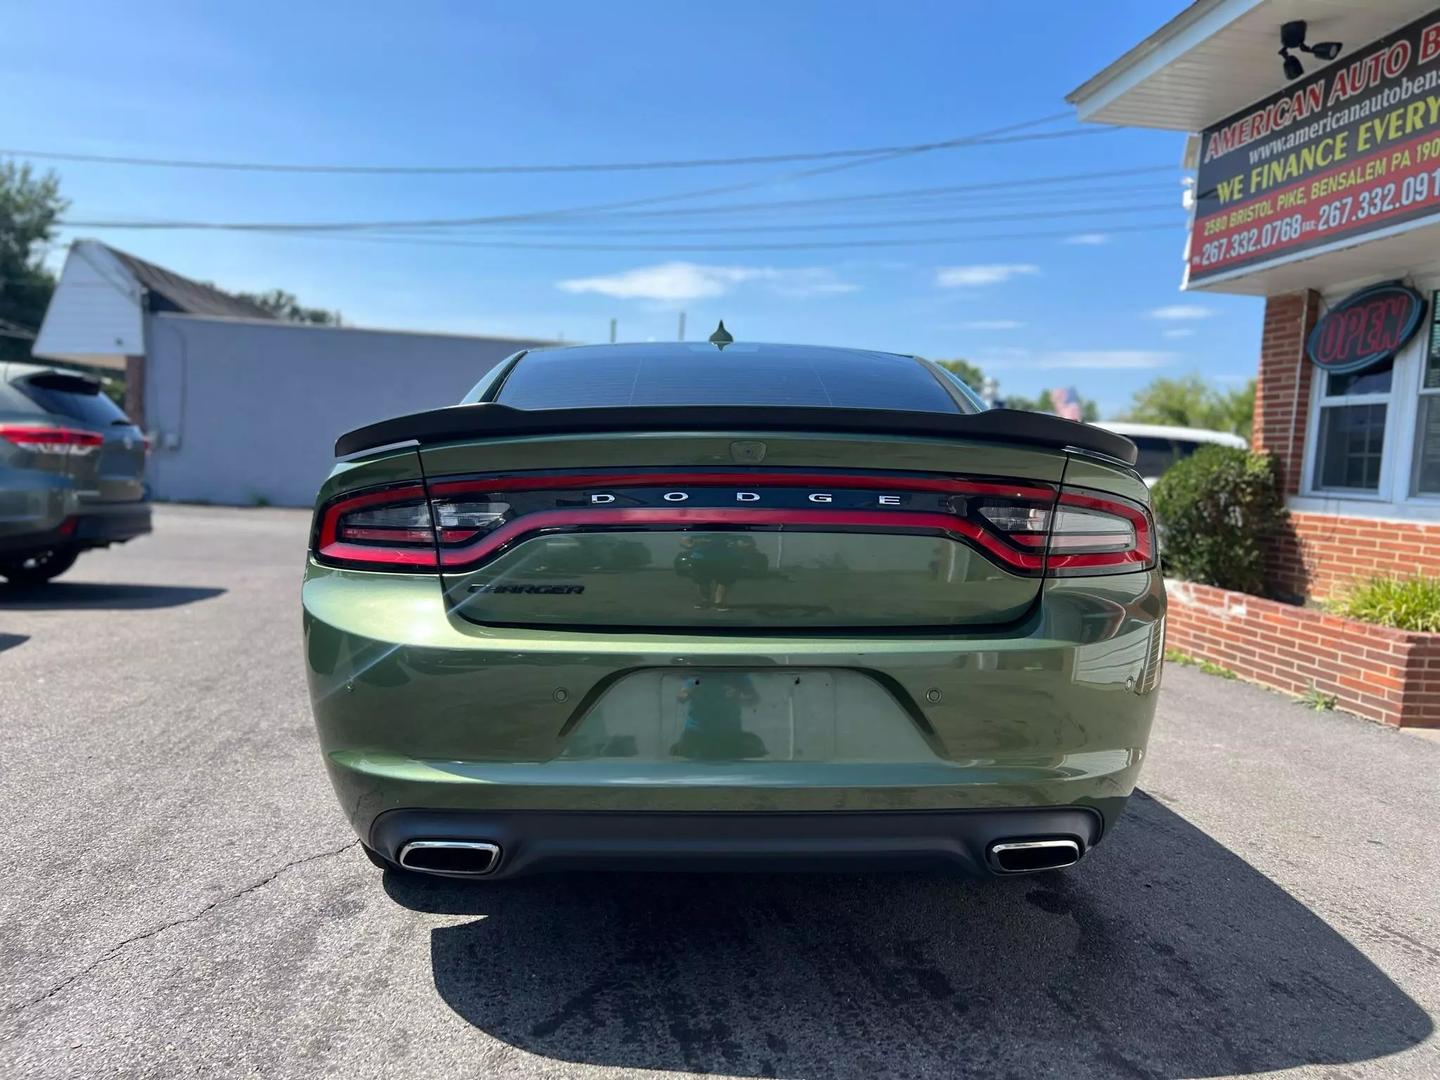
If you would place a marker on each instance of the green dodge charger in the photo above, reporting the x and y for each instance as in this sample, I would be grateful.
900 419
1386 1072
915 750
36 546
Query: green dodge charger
729 606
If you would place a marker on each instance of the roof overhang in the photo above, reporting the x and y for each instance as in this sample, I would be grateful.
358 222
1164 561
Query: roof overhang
1218 56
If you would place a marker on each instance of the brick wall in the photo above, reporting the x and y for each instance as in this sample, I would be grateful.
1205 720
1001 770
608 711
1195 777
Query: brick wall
1392 676
1282 387
1319 555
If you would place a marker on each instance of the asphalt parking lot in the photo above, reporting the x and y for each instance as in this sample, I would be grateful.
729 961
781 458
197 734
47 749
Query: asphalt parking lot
181 895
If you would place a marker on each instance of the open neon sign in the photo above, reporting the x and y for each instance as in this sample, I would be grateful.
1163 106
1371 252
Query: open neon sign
1366 328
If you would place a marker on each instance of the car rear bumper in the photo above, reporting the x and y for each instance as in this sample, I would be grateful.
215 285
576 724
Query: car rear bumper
419 710
93 526
540 841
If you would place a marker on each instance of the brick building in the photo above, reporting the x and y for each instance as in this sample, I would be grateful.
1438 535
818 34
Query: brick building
1309 188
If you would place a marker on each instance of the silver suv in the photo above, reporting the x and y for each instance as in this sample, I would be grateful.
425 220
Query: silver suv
72 472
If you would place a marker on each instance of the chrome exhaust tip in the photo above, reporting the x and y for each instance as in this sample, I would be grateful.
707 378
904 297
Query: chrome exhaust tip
450 858
1029 856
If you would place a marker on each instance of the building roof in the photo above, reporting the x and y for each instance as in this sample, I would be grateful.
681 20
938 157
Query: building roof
1218 56
169 291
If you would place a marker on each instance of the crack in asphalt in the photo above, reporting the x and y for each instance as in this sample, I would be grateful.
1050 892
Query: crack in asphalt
116 950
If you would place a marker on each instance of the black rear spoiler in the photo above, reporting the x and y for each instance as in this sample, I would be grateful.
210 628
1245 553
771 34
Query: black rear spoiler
486 420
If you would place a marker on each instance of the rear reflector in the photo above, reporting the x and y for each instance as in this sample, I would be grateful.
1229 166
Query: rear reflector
51 440
1026 528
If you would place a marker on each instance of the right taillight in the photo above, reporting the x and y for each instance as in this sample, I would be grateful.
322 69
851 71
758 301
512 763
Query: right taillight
1081 532
1092 533
51 440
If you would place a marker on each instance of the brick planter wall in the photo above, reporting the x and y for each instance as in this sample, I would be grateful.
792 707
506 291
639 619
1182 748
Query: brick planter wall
1392 676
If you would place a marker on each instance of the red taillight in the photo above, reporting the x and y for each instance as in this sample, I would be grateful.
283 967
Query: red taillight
1081 532
1027 528
399 527
51 440
1097 532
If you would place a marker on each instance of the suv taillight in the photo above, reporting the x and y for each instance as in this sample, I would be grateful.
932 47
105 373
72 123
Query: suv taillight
51 440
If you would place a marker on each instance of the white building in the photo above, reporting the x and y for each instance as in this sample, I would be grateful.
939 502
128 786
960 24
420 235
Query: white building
242 407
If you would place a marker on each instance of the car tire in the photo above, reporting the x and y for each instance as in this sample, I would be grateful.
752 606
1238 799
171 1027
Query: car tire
39 567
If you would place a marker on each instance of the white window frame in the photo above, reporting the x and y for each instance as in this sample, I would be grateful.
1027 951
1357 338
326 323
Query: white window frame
1319 401
1394 497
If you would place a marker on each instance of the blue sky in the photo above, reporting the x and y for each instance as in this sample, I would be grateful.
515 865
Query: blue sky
1094 306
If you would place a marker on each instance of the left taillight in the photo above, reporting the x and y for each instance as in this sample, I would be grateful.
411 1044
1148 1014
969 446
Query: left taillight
398 527
51 440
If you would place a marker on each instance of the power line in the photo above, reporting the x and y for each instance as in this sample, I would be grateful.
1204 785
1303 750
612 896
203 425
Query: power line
806 245
1130 207
1003 185
874 203
991 137
453 170
1172 207
866 205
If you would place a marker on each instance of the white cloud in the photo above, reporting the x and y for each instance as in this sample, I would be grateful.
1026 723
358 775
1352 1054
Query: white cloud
981 274
680 281
991 324
1104 359
1091 239
1179 332
1073 359
1172 312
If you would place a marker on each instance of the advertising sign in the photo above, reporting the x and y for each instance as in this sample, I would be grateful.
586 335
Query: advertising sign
1348 151
1366 327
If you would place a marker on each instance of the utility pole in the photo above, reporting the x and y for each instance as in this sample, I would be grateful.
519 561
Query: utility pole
681 335
612 331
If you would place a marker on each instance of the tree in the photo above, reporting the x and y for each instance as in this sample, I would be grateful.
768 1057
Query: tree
1190 401
29 206
1041 402
969 374
287 306
974 377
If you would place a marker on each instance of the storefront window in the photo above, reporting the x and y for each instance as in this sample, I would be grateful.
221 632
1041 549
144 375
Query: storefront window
1427 438
1352 429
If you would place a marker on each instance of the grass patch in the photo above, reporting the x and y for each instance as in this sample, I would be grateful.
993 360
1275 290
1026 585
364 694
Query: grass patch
1405 603
1317 699
1175 656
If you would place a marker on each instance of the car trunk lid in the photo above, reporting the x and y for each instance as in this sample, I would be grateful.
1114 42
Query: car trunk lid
737 530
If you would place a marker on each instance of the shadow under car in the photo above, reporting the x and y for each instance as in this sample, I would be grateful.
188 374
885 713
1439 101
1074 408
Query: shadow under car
65 595
1162 955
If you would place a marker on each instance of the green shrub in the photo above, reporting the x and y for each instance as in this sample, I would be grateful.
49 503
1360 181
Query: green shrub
1409 603
1215 510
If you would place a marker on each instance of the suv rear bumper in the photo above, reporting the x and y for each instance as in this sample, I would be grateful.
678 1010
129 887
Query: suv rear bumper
95 527
539 841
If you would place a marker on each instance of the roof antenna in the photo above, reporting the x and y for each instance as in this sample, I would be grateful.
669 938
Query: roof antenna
722 337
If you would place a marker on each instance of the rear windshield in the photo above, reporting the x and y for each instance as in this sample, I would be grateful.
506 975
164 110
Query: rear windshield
74 398
585 378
